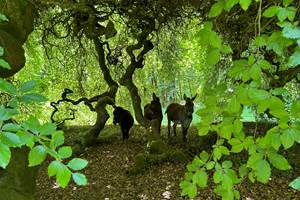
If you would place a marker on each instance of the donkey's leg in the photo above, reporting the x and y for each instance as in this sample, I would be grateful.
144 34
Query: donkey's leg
125 134
184 128
169 127
174 128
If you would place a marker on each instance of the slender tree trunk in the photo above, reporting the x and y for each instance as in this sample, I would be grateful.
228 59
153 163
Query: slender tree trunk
18 180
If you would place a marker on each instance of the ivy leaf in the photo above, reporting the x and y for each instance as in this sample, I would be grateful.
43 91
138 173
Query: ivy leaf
263 171
294 59
5 155
243 170
77 164
278 43
295 183
79 178
200 178
271 11
245 4
37 155
279 161
216 9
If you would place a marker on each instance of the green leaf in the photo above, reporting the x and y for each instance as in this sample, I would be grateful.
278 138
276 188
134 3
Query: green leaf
271 11
285 13
27 86
218 176
217 153
37 155
3 17
226 49
57 139
245 4
5 155
4 64
294 59
255 72
11 127
10 139
243 170
200 178
213 56
263 64
215 40
32 124
188 189
227 164
33 97
286 3
289 136
257 95
239 67
47 129
6 113
26 138
63 176
295 183
204 156
261 41
210 165
203 129
263 171
54 167
287 139
65 152
295 109
278 43
224 150
79 178
292 32
279 161
1 51
216 9
230 3
7 87
77 164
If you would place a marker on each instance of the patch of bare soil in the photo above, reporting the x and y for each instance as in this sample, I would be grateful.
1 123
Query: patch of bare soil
108 178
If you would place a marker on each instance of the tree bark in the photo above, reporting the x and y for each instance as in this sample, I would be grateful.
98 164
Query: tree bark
18 180
107 98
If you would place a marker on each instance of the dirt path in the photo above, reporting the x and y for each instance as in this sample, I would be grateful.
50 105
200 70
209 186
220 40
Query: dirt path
108 180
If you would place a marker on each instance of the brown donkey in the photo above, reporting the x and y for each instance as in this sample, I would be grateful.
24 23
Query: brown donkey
181 114
153 111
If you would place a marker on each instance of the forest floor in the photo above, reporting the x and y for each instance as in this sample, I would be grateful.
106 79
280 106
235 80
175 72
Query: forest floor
112 158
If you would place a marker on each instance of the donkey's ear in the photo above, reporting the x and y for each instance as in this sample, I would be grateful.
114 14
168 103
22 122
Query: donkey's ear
184 97
153 95
194 97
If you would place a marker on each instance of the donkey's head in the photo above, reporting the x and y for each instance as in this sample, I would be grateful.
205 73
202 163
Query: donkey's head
155 100
189 105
